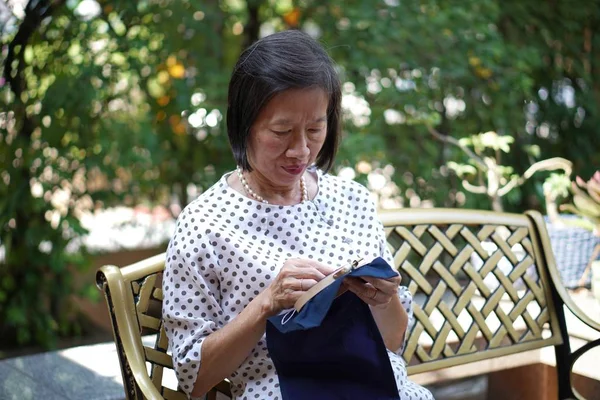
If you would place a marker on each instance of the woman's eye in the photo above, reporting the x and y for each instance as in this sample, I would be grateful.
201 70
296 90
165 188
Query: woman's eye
280 132
315 130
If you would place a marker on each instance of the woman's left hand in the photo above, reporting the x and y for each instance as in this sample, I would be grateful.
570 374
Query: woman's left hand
375 292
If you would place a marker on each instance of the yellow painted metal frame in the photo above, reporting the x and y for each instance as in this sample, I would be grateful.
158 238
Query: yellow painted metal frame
116 284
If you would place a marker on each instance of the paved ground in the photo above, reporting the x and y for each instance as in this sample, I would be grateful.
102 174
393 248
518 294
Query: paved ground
61 375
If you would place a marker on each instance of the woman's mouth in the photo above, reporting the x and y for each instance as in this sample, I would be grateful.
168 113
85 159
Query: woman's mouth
294 169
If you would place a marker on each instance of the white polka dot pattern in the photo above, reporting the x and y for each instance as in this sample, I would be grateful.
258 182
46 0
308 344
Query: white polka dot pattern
227 249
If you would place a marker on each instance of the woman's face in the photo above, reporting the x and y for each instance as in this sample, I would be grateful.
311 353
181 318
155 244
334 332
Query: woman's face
287 136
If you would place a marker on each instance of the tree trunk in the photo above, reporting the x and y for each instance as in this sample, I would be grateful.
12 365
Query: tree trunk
253 25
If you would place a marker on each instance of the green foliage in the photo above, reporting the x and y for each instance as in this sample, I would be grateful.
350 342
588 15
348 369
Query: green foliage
491 177
125 104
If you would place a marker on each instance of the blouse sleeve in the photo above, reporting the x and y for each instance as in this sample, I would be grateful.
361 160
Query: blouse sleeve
191 310
406 298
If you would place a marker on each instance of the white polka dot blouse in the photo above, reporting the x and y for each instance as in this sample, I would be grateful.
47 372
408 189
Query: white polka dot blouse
227 248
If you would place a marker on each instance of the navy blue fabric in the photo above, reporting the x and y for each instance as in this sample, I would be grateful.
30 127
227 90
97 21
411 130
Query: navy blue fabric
332 350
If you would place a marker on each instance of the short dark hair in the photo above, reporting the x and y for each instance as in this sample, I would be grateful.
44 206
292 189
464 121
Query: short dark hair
278 62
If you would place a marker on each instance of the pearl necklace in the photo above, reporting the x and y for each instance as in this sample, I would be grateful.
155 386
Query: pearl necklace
258 197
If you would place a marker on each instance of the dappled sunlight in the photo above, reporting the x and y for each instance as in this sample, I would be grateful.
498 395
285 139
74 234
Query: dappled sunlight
113 117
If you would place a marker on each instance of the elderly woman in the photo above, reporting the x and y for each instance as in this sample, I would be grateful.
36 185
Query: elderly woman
258 239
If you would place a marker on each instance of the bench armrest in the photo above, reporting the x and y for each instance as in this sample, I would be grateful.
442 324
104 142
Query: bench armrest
129 346
537 219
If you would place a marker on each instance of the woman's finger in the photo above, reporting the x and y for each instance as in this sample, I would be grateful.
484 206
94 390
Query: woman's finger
360 287
368 299
303 284
367 292
287 298
389 286
356 283
395 279
322 268
298 272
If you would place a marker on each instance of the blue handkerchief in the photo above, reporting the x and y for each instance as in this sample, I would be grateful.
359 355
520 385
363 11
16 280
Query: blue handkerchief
333 349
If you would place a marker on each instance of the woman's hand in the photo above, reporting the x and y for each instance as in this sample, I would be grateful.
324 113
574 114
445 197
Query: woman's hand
375 292
296 276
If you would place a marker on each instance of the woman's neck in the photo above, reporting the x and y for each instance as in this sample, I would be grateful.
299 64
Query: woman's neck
256 187
291 194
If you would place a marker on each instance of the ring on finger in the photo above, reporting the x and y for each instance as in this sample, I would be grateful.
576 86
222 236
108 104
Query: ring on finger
374 294
302 285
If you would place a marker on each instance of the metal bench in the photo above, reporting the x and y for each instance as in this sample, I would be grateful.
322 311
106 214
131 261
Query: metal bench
488 281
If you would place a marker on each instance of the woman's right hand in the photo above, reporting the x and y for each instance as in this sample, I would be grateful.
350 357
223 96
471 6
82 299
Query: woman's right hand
295 277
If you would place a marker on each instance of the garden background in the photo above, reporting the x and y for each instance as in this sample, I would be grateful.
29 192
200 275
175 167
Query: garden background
120 105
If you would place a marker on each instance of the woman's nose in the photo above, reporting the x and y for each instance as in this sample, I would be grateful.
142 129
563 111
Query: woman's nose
298 147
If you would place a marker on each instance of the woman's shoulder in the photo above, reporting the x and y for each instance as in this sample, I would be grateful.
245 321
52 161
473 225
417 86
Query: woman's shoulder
210 198
343 186
208 208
